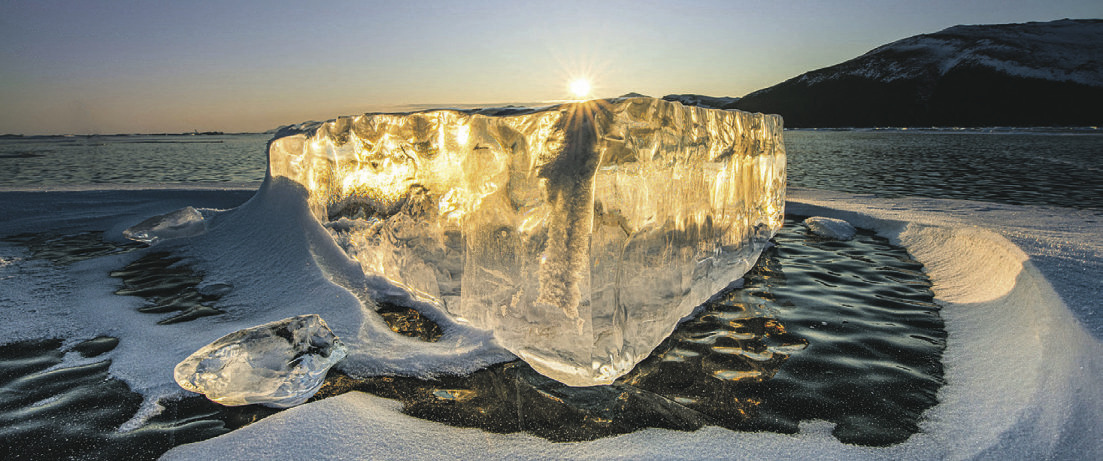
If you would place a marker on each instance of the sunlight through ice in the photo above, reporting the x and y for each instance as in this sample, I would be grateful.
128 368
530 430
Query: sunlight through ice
578 234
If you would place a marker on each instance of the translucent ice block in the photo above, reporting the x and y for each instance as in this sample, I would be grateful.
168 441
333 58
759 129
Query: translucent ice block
580 234
279 364
185 222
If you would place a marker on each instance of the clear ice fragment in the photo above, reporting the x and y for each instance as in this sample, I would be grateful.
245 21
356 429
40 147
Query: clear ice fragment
579 234
279 364
184 222
830 228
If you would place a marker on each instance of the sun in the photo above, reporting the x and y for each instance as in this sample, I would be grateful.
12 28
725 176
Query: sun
580 88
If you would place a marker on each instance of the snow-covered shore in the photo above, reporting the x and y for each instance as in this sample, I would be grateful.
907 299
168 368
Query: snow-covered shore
1020 289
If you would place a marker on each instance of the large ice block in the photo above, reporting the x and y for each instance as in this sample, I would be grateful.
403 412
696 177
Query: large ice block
580 234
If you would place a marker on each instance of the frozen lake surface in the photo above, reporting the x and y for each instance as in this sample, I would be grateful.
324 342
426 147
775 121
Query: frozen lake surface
1017 286
137 159
1059 167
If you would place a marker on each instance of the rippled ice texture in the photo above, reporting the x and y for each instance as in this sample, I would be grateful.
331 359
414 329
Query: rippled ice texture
1060 167
135 159
579 234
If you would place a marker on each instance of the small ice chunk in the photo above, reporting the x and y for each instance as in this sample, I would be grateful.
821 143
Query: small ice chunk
279 364
830 228
184 222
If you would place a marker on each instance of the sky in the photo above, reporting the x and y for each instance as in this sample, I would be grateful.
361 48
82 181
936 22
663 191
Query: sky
100 67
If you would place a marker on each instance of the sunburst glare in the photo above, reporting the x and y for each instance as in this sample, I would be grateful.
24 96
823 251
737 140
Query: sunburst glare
580 88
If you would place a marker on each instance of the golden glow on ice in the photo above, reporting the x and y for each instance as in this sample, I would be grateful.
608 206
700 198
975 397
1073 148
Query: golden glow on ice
555 227
462 132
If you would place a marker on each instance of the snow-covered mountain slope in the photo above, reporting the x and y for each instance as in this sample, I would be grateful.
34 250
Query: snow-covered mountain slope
1048 73
1064 51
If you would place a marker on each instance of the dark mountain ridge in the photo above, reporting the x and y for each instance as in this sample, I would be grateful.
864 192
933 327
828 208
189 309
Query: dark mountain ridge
1032 74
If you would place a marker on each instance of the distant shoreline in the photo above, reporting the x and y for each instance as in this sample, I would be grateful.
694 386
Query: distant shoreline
932 129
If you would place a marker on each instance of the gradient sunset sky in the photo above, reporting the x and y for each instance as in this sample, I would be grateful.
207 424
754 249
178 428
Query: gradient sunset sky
87 67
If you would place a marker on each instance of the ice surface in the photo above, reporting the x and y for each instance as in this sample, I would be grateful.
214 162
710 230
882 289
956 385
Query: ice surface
830 228
278 364
578 234
184 222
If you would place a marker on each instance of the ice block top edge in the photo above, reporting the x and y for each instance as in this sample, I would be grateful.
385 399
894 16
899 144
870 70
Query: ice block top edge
308 128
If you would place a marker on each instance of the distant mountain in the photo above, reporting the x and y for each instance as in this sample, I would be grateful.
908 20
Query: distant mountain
703 101
1033 74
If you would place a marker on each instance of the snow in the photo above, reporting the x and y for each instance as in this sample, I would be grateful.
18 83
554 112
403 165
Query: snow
1019 287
